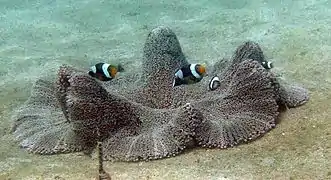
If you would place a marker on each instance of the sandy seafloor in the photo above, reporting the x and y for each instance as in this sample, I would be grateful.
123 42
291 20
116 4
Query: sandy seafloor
37 36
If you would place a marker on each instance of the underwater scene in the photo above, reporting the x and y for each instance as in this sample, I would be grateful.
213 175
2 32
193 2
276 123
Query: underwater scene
158 90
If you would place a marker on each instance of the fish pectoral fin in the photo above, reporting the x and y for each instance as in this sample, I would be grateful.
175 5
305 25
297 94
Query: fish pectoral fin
176 82
191 80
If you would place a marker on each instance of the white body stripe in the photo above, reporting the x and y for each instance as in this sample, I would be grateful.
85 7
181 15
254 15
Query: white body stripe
179 74
269 65
194 72
93 69
105 70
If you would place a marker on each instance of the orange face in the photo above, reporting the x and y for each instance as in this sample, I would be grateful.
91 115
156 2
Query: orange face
202 69
112 71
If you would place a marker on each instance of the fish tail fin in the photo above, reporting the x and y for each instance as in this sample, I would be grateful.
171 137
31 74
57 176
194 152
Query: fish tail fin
91 73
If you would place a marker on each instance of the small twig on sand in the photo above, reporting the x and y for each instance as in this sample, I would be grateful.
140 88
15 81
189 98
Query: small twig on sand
102 175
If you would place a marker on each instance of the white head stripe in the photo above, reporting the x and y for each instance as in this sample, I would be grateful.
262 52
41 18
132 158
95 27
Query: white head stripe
105 70
269 64
93 69
179 74
193 71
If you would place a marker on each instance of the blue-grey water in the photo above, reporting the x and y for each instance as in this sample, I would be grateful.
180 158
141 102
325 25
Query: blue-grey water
36 36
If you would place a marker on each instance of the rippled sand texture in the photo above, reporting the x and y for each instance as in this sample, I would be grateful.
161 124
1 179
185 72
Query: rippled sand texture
37 36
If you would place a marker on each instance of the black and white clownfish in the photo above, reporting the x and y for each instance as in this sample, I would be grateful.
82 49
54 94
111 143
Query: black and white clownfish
267 65
189 74
214 83
104 71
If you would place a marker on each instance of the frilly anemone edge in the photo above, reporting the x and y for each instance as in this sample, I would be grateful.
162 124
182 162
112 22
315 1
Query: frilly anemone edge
153 120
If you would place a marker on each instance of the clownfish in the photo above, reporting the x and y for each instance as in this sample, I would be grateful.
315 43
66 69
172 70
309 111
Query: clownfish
214 83
189 74
267 65
104 71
